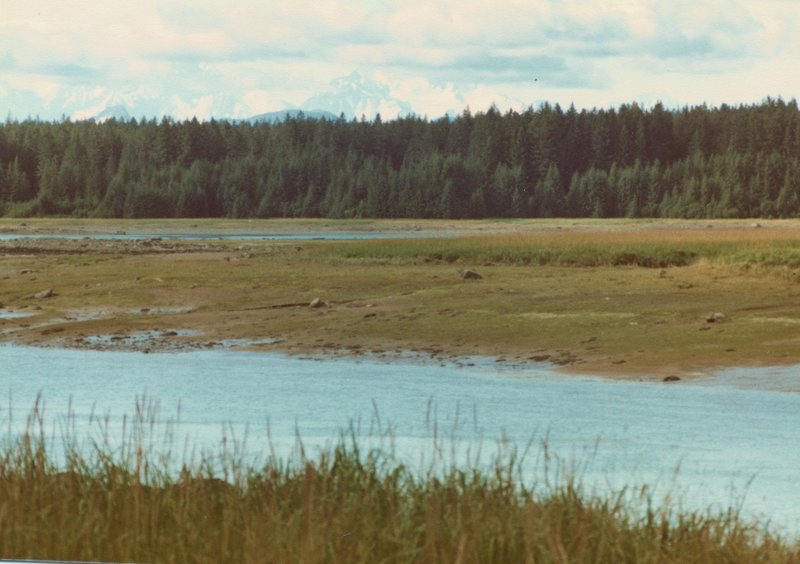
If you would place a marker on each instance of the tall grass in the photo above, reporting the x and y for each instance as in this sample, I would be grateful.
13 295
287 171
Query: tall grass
516 251
344 504
653 249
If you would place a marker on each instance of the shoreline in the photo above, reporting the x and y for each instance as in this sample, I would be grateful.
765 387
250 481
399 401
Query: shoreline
504 364
168 339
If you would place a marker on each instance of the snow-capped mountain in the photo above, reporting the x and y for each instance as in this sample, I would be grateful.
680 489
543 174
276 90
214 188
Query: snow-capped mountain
353 96
356 95
101 104
118 113
282 115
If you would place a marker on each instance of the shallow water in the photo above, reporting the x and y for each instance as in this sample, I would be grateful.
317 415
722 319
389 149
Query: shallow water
224 236
710 445
770 378
13 314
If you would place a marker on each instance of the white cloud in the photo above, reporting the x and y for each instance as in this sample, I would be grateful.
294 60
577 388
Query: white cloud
45 88
437 54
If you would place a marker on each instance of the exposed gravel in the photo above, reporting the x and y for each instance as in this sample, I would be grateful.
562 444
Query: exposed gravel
57 245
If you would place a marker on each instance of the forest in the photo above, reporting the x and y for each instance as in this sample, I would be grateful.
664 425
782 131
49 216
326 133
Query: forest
695 162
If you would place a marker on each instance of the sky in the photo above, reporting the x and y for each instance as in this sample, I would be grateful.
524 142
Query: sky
244 57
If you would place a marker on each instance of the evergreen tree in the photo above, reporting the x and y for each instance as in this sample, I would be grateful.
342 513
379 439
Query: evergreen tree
695 162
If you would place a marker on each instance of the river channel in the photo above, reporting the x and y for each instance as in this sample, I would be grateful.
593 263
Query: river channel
710 444
327 236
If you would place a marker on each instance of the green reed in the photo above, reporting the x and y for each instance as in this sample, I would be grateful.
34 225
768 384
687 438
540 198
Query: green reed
127 502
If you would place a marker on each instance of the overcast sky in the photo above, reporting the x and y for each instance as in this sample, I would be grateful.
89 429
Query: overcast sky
440 55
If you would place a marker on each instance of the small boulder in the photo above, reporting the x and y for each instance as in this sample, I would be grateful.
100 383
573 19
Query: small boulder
44 294
470 275
672 378
715 317
317 303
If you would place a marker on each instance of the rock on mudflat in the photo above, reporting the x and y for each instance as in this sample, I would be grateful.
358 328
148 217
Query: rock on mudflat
715 317
317 303
470 275
672 378
49 293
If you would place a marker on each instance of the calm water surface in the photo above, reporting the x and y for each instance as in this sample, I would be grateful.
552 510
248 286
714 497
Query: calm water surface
226 236
710 445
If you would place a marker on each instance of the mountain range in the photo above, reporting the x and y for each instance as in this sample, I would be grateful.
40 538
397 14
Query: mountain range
282 115
352 96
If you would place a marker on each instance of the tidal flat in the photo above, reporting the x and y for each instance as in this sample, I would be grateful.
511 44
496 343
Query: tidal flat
626 299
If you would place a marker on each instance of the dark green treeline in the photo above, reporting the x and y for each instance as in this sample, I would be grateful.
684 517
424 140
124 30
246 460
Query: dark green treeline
696 162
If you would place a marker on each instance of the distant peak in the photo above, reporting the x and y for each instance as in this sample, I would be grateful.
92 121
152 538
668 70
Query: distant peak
355 95
291 113
103 113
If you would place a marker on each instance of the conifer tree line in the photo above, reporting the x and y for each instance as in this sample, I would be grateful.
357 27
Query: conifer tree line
696 162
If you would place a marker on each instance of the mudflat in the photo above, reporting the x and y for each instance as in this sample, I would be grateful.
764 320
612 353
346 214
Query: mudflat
621 298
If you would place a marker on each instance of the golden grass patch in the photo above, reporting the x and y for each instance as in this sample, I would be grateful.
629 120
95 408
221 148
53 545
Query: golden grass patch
138 502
